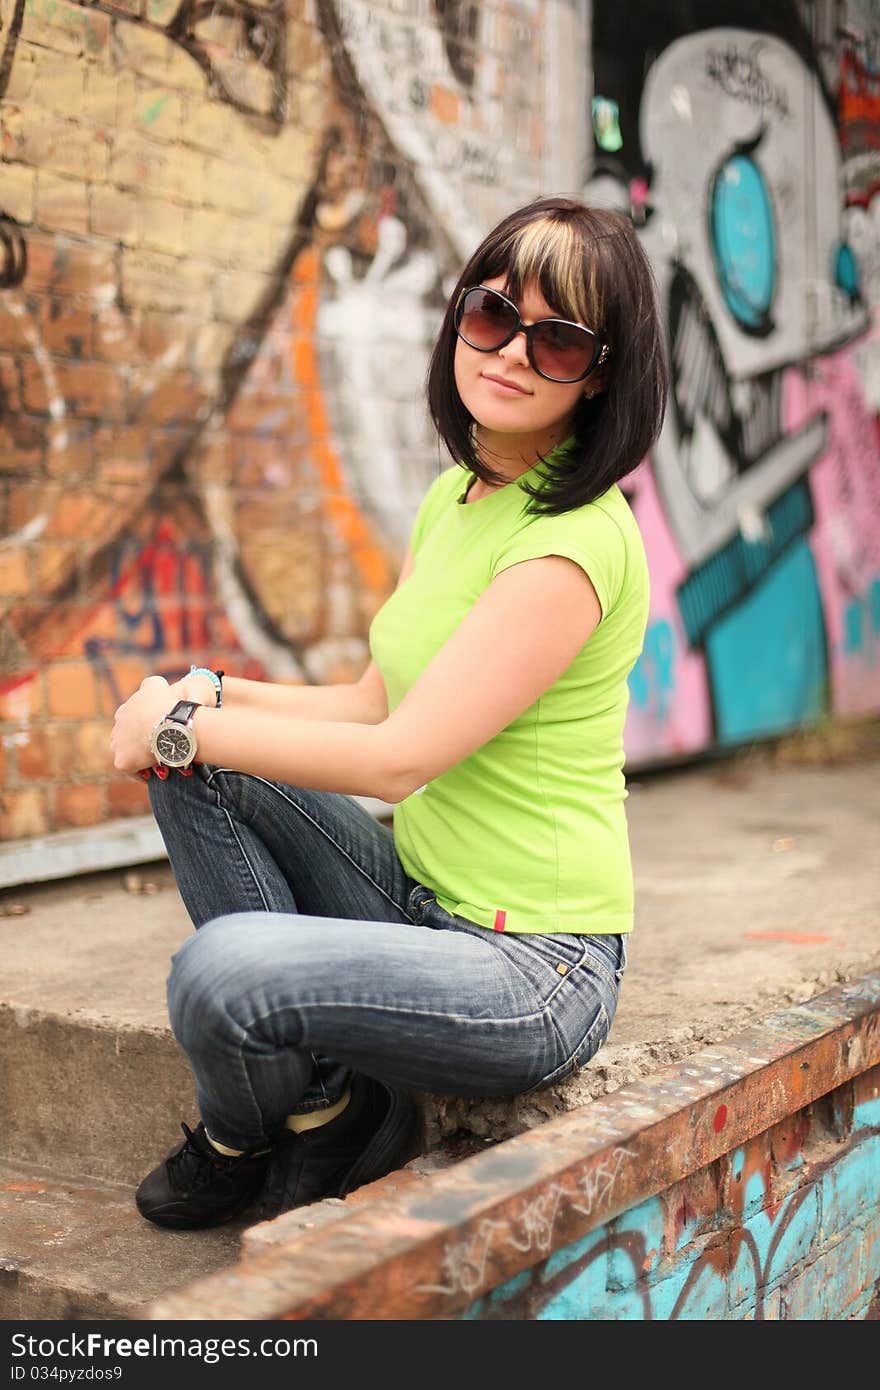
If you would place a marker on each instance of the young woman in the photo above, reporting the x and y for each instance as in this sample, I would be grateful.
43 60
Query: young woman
478 948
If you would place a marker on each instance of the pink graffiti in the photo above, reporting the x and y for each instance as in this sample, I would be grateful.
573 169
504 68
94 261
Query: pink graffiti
845 485
686 723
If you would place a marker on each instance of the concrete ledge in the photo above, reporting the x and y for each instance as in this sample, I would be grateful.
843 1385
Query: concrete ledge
135 840
432 1248
772 902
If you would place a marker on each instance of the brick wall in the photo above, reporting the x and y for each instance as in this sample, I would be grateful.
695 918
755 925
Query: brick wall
225 245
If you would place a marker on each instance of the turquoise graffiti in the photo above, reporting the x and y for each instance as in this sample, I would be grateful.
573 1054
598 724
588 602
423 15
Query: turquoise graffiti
744 241
862 624
813 1255
652 682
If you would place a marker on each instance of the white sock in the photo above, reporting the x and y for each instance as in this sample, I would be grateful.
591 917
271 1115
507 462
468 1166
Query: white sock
315 1118
298 1123
225 1150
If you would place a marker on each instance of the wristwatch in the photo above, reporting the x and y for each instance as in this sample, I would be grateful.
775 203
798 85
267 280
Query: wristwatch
173 741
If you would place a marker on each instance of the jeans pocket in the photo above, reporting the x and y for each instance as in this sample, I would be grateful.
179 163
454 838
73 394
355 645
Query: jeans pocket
545 960
584 1004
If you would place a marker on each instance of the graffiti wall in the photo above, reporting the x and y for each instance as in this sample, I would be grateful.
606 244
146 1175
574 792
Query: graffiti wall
782 1228
227 230
746 147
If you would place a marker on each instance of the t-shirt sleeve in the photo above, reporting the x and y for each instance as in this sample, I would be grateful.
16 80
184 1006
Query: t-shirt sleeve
588 536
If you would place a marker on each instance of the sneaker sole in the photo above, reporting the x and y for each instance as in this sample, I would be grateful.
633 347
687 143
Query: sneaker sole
182 1221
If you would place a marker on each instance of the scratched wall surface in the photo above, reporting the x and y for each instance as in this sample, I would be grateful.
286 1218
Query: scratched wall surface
226 235
785 1227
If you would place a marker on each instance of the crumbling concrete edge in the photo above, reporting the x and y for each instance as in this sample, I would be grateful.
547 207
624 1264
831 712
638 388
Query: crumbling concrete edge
431 1249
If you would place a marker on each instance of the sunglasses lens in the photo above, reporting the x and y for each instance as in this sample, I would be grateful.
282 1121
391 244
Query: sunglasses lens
563 351
485 320
559 351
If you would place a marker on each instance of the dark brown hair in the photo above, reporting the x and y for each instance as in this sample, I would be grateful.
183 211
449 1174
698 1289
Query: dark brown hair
590 266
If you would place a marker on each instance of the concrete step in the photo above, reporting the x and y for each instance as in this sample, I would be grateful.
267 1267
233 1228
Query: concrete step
101 1100
76 1250
93 1082
93 1086
770 903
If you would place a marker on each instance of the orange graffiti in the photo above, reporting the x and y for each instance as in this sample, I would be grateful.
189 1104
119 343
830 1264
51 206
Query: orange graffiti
799 938
859 98
445 105
369 558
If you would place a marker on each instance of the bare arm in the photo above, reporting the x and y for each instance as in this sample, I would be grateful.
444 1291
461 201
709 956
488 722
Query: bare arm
364 701
517 640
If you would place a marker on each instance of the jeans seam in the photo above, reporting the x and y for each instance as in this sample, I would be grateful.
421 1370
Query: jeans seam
586 964
621 969
316 1070
246 860
361 1005
570 1063
320 828
235 836
590 963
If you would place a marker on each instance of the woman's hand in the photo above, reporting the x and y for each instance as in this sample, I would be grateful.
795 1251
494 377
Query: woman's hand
135 720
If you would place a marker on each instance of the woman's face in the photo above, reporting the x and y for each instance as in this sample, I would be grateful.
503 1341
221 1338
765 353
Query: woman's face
503 392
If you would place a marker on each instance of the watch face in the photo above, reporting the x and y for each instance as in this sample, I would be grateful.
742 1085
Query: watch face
174 746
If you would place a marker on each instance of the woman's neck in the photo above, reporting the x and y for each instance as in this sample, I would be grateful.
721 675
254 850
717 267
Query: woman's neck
514 454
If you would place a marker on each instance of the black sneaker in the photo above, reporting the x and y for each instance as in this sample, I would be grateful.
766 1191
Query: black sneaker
196 1186
379 1130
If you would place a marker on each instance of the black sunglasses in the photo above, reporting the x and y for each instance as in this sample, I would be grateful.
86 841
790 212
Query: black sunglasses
557 349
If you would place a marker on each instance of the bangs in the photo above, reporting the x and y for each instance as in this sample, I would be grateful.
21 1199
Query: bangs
551 253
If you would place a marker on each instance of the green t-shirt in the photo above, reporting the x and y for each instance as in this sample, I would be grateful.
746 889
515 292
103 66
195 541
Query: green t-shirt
528 833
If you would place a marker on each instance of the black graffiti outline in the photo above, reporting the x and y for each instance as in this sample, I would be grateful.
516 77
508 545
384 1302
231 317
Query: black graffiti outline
13 248
739 75
268 23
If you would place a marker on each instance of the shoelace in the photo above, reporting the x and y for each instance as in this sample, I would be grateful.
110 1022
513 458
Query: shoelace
195 1161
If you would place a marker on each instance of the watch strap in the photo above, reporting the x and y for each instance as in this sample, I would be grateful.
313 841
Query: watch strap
183 711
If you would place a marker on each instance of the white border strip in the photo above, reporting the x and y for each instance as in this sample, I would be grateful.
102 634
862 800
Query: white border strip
111 845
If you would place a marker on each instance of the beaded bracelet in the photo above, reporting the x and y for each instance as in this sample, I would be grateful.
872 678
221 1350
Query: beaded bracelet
215 677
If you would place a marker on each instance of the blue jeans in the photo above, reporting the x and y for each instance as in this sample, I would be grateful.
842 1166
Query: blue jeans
317 955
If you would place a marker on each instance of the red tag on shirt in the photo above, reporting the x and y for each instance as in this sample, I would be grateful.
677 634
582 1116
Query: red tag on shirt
500 919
